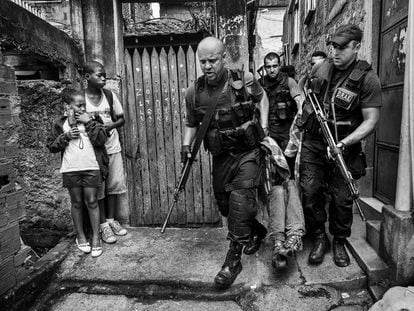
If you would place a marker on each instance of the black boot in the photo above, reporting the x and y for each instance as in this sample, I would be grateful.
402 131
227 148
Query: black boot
340 254
231 267
320 247
258 234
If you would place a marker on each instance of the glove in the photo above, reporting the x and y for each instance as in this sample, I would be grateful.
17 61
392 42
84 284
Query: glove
185 153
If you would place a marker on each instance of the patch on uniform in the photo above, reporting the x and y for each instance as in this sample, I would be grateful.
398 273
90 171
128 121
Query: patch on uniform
344 98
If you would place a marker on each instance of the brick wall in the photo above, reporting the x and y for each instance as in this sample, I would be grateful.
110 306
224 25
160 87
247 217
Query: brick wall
328 16
12 253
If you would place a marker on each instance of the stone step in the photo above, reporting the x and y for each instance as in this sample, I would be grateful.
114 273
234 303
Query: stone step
378 290
371 207
373 228
369 261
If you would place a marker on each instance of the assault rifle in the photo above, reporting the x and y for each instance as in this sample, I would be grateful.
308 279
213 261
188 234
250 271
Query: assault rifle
185 171
339 159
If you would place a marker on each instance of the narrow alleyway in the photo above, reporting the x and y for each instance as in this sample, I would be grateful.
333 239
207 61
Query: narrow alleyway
149 271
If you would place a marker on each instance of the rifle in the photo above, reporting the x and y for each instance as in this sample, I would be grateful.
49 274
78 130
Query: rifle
197 143
185 171
339 159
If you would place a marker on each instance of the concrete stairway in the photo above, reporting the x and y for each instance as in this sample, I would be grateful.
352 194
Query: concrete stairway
364 246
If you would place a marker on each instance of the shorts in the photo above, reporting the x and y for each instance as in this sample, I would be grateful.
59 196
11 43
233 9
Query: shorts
115 183
84 179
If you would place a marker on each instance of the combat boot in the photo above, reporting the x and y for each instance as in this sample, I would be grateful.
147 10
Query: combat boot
340 254
259 232
231 268
320 248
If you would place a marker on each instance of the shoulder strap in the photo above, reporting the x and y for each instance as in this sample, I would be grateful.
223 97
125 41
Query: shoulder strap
110 98
358 74
205 123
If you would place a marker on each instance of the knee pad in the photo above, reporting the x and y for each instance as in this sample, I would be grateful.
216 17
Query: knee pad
243 201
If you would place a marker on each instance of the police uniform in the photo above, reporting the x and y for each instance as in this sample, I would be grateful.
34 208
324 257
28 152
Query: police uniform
281 92
343 94
233 140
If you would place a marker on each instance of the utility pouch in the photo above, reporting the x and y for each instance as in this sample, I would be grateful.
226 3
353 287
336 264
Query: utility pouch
344 98
243 111
213 142
282 110
357 165
253 134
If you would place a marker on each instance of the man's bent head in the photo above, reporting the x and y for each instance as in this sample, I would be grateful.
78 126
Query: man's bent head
211 54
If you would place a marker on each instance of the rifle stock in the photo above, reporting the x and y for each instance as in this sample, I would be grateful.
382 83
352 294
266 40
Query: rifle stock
339 159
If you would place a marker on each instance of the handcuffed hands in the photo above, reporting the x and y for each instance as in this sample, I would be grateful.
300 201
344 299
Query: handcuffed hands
185 153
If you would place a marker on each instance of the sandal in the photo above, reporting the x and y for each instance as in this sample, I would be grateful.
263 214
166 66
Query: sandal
96 251
83 247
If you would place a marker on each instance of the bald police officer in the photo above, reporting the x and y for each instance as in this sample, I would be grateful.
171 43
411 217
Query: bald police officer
232 138
350 92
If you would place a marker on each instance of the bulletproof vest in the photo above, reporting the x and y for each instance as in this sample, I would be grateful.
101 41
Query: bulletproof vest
282 107
343 96
231 120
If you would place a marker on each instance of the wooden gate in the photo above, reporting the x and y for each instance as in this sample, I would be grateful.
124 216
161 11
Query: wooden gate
156 82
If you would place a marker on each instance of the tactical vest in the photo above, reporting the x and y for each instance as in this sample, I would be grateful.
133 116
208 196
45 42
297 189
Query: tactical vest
344 97
234 126
282 107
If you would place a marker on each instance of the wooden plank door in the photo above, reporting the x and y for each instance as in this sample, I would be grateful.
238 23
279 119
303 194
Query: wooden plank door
157 79
391 73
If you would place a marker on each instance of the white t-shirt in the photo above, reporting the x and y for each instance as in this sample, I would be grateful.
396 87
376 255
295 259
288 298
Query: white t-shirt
112 143
79 154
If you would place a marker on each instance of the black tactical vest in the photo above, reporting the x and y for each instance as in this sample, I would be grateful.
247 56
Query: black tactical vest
233 126
282 107
343 96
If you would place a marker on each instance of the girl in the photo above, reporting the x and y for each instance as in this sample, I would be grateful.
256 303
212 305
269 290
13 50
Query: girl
81 140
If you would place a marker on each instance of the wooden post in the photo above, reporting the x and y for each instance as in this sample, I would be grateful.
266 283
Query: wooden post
404 196
232 29
76 21
92 23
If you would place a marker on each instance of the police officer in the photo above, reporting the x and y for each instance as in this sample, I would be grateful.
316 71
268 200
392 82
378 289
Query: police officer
232 138
350 92
284 99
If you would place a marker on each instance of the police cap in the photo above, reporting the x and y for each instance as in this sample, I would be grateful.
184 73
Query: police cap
344 34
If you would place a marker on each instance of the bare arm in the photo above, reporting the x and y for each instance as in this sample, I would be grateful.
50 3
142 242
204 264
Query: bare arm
189 134
263 106
299 102
371 117
118 123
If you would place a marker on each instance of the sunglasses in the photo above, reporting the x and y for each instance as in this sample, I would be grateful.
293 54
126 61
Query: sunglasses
340 47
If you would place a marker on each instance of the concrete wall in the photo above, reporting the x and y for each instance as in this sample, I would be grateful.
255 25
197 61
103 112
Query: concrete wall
40 38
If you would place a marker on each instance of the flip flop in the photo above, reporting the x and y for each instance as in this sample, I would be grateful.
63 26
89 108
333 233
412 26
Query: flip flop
83 247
